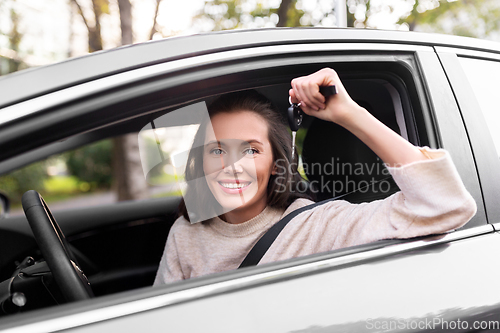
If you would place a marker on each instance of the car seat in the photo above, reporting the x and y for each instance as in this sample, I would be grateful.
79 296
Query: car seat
337 163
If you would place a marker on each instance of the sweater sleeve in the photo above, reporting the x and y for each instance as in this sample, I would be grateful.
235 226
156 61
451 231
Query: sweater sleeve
432 195
169 269
432 200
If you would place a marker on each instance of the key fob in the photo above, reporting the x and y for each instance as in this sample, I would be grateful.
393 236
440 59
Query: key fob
294 117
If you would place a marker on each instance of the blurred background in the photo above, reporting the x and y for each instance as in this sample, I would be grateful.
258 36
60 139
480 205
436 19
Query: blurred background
40 32
34 33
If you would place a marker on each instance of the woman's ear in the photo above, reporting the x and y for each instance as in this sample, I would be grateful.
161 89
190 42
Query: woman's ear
274 170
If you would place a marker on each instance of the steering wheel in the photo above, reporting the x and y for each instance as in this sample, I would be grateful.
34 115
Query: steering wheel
54 247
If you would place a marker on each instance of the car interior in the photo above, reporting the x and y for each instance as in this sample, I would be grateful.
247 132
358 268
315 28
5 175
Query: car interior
119 245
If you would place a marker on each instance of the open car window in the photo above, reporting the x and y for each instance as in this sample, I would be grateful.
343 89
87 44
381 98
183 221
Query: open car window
83 177
332 161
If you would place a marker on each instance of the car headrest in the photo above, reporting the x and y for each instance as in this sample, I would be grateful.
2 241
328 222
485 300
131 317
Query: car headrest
336 162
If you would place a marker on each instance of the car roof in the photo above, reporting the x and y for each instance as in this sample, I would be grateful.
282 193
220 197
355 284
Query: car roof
34 82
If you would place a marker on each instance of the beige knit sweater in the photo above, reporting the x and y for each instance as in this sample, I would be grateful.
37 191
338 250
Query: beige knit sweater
432 200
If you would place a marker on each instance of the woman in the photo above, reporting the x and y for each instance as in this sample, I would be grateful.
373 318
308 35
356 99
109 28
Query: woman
244 165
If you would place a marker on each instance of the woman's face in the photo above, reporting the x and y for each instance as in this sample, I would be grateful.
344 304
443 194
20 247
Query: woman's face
238 162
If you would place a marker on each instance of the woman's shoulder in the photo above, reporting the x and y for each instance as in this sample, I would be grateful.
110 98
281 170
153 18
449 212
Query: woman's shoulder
324 205
182 226
298 203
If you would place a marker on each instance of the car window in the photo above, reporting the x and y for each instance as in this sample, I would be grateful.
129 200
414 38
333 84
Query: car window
484 77
68 180
83 177
86 176
331 160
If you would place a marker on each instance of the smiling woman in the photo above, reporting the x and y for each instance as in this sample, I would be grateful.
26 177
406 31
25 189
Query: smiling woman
242 144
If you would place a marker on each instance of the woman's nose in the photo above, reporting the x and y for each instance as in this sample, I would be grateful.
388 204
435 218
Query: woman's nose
233 168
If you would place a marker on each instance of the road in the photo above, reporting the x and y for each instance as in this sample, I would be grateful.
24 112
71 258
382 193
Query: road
94 199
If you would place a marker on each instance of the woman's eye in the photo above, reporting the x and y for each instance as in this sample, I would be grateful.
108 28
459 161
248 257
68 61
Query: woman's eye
251 151
216 151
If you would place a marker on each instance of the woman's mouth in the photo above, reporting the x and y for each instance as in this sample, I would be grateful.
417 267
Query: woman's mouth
233 187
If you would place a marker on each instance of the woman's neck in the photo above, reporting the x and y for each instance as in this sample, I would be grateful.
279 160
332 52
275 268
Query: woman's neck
240 215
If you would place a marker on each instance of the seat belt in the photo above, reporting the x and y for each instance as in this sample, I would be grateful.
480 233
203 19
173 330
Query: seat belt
264 243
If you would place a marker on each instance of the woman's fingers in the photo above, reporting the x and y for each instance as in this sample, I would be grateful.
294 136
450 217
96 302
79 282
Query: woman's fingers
311 89
306 90
293 97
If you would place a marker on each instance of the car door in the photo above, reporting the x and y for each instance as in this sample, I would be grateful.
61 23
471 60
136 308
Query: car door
473 75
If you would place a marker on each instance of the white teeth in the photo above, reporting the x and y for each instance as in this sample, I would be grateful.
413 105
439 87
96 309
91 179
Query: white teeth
233 185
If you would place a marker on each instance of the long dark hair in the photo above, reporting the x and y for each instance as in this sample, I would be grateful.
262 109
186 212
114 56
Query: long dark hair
282 189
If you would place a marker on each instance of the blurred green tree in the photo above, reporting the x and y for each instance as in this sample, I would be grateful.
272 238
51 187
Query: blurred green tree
92 164
478 18
99 7
15 37
127 176
13 61
28 178
129 182
32 176
231 14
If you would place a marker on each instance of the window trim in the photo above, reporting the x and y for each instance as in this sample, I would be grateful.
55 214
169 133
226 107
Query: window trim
451 128
141 97
484 152
50 100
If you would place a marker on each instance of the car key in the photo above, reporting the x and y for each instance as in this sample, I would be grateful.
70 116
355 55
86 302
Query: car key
295 113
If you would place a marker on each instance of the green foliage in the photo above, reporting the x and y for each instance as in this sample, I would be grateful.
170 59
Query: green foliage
14 36
89 168
479 18
425 12
92 164
294 16
103 6
473 18
22 180
355 16
62 184
232 14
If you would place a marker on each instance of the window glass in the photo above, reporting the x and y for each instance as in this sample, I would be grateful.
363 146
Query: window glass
94 174
484 76
146 164
77 178
163 154
97 173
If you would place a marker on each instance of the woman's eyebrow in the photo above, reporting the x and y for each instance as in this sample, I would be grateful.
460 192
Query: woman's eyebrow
243 142
215 142
253 141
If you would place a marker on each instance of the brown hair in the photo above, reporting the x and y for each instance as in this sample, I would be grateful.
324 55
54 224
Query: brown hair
282 189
